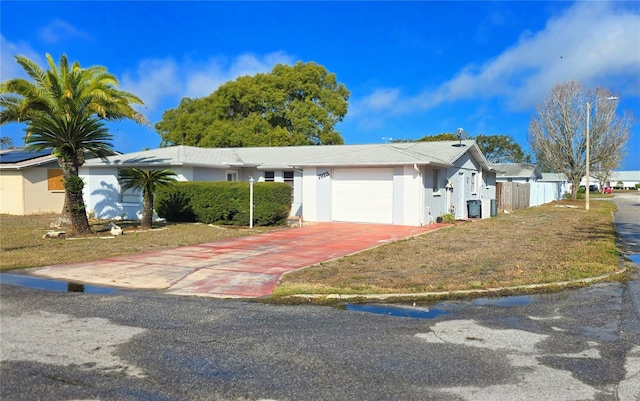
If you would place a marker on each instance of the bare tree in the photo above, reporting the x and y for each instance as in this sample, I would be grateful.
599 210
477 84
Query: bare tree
602 172
557 132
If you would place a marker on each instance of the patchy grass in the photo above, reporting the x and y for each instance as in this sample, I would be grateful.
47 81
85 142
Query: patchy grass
22 245
539 245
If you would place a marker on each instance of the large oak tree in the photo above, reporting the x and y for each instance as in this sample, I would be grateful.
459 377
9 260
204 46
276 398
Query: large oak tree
64 108
291 105
501 149
557 132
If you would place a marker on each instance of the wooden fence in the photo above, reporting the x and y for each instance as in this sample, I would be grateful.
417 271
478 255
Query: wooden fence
512 195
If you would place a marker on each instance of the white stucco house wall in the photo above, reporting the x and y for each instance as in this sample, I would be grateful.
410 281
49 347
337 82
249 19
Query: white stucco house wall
30 182
556 185
398 183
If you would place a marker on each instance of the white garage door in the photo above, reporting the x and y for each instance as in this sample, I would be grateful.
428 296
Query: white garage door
363 195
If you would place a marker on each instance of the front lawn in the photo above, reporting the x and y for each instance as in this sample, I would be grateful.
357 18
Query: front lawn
550 243
22 245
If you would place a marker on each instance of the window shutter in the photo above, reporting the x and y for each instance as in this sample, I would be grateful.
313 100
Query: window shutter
54 179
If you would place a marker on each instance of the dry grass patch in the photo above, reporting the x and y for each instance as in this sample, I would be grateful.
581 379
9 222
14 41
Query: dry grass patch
539 245
22 245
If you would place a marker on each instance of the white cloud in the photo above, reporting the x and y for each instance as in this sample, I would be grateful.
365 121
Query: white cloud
154 80
161 80
597 43
381 99
58 30
8 67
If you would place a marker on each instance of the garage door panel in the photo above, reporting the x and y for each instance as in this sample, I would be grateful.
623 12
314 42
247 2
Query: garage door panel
363 195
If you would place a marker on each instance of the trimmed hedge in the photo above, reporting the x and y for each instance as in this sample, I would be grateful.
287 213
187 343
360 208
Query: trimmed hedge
223 202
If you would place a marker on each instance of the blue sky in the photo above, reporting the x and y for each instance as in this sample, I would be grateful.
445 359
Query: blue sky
413 68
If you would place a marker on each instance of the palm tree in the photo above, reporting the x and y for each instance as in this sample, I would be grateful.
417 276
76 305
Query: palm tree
64 109
148 181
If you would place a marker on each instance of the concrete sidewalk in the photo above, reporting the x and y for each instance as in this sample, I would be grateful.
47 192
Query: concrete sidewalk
247 267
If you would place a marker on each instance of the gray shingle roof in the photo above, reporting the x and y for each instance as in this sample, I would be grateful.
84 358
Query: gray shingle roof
514 170
553 177
626 176
442 153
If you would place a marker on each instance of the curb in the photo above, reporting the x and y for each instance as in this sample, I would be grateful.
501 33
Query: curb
454 294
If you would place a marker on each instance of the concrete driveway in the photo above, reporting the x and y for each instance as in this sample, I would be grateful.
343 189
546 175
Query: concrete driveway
247 267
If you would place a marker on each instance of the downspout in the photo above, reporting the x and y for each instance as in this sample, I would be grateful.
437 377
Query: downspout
301 191
421 189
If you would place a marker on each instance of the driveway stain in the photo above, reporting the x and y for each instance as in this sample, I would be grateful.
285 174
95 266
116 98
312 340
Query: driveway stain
89 343
535 381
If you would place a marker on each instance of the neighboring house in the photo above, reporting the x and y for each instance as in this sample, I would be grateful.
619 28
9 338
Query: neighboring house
399 183
543 187
619 180
629 179
517 172
556 186
30 182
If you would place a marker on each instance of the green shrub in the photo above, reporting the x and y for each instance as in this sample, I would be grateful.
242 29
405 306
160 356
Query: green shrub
175 207
225 202
448 218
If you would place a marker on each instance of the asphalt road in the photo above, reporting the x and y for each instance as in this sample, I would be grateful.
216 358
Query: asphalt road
574 345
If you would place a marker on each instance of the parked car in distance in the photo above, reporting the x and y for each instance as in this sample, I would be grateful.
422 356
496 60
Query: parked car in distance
592 188
606 190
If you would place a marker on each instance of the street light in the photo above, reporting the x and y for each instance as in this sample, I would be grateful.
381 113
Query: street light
586 187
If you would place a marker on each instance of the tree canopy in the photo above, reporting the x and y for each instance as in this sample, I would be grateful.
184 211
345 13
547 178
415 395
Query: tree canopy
64 109
557 132
291 105
496 148
501 149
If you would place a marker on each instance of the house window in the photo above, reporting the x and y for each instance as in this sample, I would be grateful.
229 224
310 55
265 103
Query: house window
269 176
436 180
54 179
131 195
473 182
288 177
232 175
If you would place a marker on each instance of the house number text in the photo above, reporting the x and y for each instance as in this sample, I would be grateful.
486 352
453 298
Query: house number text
323 175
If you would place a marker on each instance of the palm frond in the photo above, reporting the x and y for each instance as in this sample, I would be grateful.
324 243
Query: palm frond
64 107
32 69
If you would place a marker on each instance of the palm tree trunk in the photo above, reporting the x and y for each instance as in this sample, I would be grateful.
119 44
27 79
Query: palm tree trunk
74 209
147 211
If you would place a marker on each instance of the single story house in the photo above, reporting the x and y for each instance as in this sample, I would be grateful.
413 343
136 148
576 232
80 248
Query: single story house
517 172
397 183
543 187
30 182
557 185
618 179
